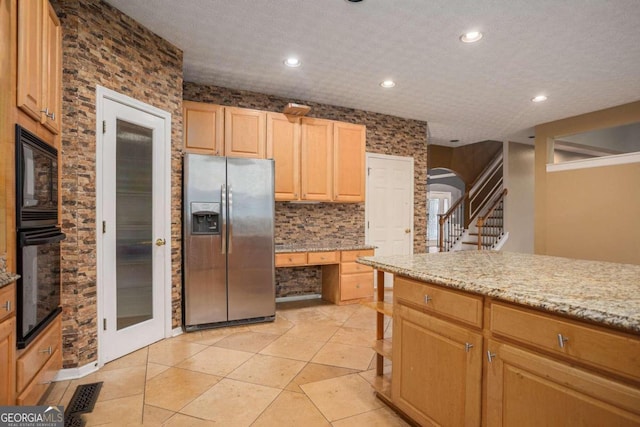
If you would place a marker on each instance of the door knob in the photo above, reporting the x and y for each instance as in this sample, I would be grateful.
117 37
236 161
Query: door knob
161 242
407 230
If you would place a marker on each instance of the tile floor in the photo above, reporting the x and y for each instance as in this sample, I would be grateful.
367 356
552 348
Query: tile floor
311 367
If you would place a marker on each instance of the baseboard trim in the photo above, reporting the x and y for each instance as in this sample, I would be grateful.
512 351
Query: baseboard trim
299 298
75 373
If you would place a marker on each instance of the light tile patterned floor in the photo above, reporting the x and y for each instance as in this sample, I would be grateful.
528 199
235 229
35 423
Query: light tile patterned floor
311 367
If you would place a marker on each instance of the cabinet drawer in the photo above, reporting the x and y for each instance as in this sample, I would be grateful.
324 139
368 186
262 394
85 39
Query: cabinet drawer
314 258
34 392
37 354
354 255
614 352
291 259
354 267
7 301
354 286
437 299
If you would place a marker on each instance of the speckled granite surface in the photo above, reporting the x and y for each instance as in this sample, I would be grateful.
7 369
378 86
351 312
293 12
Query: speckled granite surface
321 246
602 292
5 276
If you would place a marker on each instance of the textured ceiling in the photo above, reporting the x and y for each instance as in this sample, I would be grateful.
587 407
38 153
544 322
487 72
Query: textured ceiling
583 54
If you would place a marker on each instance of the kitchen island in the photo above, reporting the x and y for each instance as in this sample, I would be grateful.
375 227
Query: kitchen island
498 338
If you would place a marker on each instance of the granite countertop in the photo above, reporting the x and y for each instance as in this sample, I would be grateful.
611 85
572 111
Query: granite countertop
6 277
321 246
602 292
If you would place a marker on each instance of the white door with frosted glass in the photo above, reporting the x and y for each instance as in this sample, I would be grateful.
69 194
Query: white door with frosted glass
134 250
389 206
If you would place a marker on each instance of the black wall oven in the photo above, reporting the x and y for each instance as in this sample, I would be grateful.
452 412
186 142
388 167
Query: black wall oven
38 237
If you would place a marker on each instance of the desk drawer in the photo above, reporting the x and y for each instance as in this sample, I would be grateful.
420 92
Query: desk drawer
291 259
37 354
614 352
354 267
459 306
353 286
315 258
354 255
7 301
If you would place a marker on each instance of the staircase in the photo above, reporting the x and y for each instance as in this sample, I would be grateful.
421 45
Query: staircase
476 220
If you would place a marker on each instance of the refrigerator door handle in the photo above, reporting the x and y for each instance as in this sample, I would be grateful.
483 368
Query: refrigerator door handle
223 212
230 196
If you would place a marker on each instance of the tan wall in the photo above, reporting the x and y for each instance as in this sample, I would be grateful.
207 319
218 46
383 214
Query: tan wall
591 213
519 206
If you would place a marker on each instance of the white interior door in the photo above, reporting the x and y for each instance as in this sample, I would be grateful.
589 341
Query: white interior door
389 206
133 217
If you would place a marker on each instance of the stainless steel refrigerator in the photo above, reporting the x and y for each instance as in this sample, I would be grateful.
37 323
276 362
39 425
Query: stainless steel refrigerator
228 249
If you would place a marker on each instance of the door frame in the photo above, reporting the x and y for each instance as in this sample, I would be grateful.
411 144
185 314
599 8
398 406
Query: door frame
103 94
368 206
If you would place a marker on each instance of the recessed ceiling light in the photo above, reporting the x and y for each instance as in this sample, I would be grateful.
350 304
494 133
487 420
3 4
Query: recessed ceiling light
292 62
387 84
539 98
471 37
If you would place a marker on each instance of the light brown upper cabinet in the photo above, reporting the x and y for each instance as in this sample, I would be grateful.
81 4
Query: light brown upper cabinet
283 146
39 77
348 162
203 128
316 163
245 133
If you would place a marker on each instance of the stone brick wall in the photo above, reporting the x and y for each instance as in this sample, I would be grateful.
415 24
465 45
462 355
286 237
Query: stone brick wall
102 46
328 221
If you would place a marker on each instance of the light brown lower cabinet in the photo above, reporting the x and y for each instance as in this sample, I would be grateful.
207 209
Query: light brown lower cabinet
38 364
512 366
437 369
527 389
7 361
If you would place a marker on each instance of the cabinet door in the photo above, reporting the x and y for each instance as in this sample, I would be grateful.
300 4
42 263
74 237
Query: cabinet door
245 133
52 70
348 162
203 128
316 164
30 33
283 146
7 361
525 389
437 369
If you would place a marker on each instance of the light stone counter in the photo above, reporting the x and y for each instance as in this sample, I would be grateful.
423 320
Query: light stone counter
321 246
601 292
6 277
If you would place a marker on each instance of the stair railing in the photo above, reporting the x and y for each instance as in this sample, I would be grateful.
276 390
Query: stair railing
452 224
491 225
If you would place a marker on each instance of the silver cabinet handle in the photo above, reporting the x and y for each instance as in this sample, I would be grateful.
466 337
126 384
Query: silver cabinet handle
562 340
50 115
223 203
490 356
427 298
7 305
230 220
47 350
468 347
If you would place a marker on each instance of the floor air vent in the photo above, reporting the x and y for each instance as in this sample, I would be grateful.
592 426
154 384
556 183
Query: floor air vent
82 401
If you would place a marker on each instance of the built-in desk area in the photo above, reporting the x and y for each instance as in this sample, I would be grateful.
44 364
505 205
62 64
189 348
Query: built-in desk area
343 280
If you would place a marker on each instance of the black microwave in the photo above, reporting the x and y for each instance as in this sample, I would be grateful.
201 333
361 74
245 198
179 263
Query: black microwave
36 181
